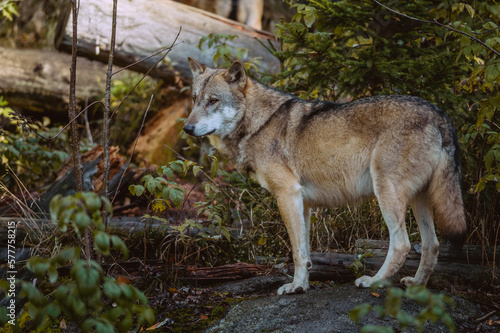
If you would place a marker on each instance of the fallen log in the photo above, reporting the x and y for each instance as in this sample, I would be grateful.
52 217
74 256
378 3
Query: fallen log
447 253
145 27
38 80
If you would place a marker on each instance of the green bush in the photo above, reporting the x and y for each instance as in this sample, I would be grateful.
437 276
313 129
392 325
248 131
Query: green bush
26 155
88 297
433 309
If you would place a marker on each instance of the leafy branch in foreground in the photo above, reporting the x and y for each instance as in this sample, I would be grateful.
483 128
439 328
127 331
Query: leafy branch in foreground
433 308
88 297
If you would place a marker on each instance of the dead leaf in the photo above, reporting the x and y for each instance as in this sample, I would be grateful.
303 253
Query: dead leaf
203 317
153 327
63 324
375 294
123 280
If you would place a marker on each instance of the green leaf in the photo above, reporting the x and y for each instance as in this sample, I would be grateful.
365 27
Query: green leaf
112 289
102 242
35 296
125 324
92 201
88 280
151 186
169 173
40 317
38 266
177 166
62 257
147 316
136 190
359 312
53 274
196 170
166 193
53 310
176 196
81 220
119 245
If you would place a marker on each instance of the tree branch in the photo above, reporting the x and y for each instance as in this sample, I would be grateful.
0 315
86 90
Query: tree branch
441 25
107 106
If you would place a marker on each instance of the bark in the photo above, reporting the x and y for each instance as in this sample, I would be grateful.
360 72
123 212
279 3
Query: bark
38 80
93 176
147 26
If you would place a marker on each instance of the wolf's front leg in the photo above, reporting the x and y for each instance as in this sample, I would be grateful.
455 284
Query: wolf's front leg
292 210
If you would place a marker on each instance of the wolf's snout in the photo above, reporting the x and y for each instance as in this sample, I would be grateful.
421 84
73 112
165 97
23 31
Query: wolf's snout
189 129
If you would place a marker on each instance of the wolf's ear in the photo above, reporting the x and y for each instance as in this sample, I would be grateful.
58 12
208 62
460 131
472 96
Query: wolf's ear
237 74
196 67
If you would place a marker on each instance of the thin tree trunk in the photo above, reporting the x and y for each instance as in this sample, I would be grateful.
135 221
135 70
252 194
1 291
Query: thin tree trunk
107 105
75 137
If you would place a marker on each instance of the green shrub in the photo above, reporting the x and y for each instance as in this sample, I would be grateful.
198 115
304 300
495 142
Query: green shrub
433 308
87 297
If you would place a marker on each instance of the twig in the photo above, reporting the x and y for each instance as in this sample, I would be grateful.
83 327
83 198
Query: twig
107 106
133 150
149 70
486 316
151 56
87 125
179 156
254 191
441 25
65 126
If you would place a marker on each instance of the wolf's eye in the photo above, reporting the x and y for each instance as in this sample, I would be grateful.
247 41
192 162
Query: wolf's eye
213 100
194 99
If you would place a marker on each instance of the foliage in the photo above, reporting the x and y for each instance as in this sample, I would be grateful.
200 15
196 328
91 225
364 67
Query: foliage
164 190
127 117
8 8
224 54
433 308
87 296
358 265
29 156
349 49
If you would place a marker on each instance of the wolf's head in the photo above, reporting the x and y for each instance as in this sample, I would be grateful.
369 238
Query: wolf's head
218 99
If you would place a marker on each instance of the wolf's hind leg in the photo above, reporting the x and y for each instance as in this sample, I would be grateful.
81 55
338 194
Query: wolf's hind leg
430 244
393 210
294 214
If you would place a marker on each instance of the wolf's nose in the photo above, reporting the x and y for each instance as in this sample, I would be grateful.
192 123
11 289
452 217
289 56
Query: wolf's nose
189 129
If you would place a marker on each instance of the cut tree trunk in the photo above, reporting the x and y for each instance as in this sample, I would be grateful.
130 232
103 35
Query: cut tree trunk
148 26
39 80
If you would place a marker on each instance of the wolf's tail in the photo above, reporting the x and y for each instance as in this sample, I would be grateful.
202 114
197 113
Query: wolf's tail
446 192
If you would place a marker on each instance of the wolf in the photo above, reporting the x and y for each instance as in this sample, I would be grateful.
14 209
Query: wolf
402 150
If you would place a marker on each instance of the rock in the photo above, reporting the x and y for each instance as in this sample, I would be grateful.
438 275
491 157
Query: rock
325 310
258 284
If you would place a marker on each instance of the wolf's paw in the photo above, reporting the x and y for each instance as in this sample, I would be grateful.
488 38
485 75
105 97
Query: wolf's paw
408 281
411 281
365 281
292 288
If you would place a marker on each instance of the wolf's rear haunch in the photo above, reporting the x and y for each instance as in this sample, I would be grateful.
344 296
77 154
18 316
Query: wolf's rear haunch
401 149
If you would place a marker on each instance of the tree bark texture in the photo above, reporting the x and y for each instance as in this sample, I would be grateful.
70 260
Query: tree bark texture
148 26
38 80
